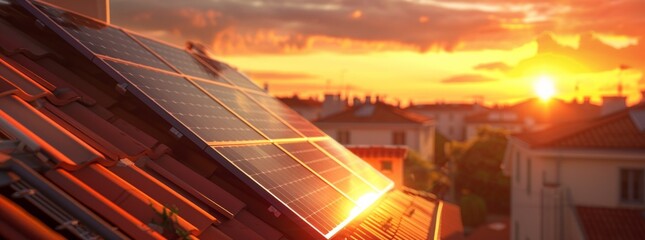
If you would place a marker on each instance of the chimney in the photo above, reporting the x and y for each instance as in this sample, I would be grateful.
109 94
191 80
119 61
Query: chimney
332 104
642 96
98 9
586 100
368 99
357 101
611 104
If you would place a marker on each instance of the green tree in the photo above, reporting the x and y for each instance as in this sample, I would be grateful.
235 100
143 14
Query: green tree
473 209
478 168
421 174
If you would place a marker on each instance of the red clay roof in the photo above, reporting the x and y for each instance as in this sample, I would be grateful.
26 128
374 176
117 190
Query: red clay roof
611 223
374 113
614 131
379 151
552 111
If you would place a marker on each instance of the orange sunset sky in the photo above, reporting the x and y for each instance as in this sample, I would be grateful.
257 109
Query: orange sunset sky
412 49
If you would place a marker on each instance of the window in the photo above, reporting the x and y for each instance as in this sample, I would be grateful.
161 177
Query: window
631 185
386 165
343 137
398 138
528 176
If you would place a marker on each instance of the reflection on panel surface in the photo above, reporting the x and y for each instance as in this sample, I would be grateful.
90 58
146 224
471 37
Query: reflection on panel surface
292 184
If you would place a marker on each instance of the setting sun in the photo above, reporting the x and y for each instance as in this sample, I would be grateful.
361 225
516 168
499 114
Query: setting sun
544 87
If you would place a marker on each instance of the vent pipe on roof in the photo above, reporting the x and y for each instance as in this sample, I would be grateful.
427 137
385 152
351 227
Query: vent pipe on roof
98 9
611 104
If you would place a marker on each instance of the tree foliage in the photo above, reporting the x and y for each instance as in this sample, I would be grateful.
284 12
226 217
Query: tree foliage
478 168
421 174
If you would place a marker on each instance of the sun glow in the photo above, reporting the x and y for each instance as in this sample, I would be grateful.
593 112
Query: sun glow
545 87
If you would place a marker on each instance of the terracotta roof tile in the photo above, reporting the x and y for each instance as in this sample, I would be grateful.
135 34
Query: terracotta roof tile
374 113
379 151
611 223
16 223
614 131
53 139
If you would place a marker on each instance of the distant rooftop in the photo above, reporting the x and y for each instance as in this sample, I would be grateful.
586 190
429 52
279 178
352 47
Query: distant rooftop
620 130
552 111
600 223
295 101
378 112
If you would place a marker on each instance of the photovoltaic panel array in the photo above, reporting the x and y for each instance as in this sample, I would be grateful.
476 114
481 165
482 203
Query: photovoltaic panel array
292 117
319 184
182 60
249 110
103 39
353 186
185 102
315 201
231 74
355 164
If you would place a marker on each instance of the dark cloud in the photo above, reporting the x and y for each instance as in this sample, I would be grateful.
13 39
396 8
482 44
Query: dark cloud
493 66
278 75
467 78
269 26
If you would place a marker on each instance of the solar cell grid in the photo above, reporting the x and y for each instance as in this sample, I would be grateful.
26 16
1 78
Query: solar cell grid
102 39
356 164
231 74
291 183
249 110
180 59
329 169
289 115
196 110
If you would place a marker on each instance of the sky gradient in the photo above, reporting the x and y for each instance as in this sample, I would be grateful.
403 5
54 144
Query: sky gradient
411 49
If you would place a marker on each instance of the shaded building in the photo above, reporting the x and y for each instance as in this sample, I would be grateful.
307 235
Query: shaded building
580 180
388 160
308 108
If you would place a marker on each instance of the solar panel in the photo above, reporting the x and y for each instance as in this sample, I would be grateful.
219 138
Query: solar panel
185 102
102 39
182 60
357 165
322 189
231 74
329 169
249 110
289 115
322 207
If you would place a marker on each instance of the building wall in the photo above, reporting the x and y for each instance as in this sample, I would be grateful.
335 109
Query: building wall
419 138
558 182
450 124
396 174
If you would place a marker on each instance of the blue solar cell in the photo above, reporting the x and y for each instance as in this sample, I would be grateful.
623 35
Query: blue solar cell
249 110
181 99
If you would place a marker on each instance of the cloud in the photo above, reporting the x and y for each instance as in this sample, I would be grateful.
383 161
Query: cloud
270 26
591 55
467 78
278 75
493 66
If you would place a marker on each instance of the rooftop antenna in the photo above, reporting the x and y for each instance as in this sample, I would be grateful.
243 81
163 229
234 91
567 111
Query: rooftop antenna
622 68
